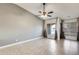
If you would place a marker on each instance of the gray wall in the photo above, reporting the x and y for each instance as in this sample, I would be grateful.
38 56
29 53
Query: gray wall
17 24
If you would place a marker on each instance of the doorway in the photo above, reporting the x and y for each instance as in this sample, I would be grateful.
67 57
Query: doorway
51 29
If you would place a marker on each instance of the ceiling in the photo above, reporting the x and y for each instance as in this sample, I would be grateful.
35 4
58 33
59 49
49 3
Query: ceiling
63 10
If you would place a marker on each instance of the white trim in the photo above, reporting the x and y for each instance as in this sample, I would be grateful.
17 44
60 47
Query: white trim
58 28
9 45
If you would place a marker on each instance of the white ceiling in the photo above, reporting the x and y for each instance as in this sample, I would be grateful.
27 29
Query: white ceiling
63 10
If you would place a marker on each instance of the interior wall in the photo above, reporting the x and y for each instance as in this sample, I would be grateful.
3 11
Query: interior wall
17 24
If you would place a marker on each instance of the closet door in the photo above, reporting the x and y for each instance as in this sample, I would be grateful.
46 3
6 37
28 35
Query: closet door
70 28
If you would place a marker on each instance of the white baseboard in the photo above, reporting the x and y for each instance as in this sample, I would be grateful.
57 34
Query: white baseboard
9 45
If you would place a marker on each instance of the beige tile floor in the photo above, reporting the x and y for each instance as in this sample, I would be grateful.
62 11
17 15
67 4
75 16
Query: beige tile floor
43 47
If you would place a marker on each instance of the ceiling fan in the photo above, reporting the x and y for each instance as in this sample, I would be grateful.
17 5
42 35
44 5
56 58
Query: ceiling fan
44 13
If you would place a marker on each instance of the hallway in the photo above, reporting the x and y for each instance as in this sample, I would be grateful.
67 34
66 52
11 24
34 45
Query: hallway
43 47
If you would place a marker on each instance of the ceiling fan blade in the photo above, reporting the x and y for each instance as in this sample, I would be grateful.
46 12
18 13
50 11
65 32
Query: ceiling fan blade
49 15
50 12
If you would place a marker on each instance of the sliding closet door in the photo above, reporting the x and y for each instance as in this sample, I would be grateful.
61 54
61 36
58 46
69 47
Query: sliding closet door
70 28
